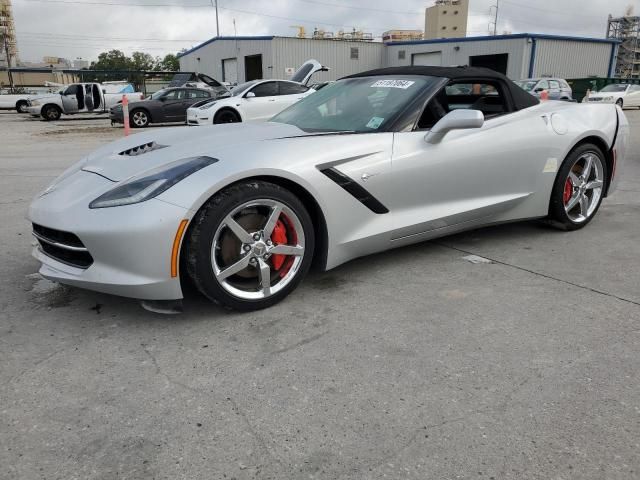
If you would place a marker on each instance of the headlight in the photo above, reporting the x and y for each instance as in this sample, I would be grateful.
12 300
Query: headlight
207 105
34 103
608 99
151 184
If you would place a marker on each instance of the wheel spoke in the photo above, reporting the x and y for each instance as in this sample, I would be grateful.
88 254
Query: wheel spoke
574 179
271 222
584 205
572 202
594 184
265 277
235 268
586 171
295 250
238 231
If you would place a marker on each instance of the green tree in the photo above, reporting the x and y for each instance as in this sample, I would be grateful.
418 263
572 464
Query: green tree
141 61
169 63
112 60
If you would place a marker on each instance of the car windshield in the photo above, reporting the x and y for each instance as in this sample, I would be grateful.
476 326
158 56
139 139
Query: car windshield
238 89
615 88
158 94
527 85
366 104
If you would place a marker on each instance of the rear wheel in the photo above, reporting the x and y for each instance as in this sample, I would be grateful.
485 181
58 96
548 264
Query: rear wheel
579 188
51 112
226 116
139 119
250 246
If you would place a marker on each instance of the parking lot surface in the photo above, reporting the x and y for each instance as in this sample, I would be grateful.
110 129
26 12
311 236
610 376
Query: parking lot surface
411 364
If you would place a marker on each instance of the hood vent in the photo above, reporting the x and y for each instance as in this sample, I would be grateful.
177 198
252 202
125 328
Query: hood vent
142 149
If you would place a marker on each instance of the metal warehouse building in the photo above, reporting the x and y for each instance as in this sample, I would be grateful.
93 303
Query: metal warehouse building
523 55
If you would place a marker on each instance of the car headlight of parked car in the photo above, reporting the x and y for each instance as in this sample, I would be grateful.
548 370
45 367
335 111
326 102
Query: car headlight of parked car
151 184
34 103
608 99
207 105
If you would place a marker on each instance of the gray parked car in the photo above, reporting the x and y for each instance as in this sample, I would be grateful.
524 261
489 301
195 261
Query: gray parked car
164 106
558 88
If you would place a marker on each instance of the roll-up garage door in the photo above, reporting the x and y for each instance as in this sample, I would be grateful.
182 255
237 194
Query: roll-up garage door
431 59
230 70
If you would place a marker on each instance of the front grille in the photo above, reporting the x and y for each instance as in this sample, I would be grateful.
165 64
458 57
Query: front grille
62 246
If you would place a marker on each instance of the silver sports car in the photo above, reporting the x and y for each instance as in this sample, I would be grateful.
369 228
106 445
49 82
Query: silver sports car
374 161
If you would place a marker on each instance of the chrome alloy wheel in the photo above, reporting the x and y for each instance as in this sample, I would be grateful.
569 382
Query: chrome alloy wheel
140 119
258 249
583 187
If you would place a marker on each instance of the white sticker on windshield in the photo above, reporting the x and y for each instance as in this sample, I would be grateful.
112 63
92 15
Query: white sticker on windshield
375 122
403 84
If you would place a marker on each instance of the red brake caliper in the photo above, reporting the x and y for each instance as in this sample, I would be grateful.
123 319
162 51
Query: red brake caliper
279 236
568 191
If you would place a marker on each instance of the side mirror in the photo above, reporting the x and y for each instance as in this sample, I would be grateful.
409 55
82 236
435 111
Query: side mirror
163 99
250 95
540 89
61 92
455 120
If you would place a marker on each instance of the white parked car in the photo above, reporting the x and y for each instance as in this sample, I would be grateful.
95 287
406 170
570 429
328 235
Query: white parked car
255 100
622 94
15 101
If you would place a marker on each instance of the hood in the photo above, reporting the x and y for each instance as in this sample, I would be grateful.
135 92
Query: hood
46 96
138 153
306 70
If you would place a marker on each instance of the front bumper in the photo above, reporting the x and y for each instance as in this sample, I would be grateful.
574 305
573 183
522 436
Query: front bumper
34 109
195 120
600 100
130 245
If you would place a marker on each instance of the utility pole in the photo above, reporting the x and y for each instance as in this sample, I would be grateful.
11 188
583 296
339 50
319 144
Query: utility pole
5 39
214 3
495 22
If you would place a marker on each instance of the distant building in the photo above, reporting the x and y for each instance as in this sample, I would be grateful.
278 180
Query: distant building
79 64
391 36
446 19
627 30
8 35
55 63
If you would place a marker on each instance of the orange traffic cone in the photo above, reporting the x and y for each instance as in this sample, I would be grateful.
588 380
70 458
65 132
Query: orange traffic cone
544 95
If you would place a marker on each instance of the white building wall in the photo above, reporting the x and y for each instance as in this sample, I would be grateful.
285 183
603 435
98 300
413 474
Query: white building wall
208 59
571 59
517 49
335 54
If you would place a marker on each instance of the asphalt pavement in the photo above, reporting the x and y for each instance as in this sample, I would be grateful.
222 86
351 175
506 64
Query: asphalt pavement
412 364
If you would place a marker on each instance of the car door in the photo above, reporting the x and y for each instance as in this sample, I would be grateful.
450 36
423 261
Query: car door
555 93
632 98
172 105
70 98
289 93
260 101
468 175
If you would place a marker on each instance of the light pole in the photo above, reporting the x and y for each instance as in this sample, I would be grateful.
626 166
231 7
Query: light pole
214 3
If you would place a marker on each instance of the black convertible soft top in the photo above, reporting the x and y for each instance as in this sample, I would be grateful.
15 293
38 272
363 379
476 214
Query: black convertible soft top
521 99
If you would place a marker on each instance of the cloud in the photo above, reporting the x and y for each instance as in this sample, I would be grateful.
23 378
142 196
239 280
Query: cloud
71 30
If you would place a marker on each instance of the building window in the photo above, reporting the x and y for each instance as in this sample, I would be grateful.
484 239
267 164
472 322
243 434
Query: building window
444 27
402 54
455 28
444 12
354 53
456 12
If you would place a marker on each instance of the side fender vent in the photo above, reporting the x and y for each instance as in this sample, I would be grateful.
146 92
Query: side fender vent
142 149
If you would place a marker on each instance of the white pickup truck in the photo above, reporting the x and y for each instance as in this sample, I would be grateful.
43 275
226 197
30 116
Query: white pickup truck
77 98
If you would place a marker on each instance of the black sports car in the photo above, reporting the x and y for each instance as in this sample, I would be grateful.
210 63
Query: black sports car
164 106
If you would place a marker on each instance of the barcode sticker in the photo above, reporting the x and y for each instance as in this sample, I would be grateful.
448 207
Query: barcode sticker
403 84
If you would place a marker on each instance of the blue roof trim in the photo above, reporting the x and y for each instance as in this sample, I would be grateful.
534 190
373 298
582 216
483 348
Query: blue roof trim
505 37
211 40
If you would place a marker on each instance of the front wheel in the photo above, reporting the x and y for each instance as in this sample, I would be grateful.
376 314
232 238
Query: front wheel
250 246
139 119
21 106
51 112
226 116
579 188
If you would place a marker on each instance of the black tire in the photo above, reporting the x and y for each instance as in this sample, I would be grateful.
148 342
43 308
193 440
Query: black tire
197 254
139 118
620 102
21 106
226 115
51 112
558 216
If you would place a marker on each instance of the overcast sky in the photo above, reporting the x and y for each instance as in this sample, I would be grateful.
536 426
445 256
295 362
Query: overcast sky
84 28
